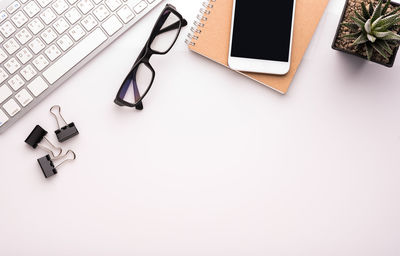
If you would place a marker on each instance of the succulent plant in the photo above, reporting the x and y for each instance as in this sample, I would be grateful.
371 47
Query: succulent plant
375 28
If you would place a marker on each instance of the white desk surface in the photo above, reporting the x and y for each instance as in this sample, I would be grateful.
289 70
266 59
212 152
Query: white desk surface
215 164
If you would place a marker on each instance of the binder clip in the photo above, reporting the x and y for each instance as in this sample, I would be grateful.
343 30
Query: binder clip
36 139
48 166
66 131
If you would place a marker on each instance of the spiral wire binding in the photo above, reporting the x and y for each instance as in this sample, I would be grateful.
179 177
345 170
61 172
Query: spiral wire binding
199 22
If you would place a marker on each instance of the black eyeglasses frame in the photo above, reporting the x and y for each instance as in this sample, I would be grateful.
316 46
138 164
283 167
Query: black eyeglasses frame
145 55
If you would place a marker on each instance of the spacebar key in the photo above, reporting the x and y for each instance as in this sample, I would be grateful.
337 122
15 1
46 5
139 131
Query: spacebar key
74 56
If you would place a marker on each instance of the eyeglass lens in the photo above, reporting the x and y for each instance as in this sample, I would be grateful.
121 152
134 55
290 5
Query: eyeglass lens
137 84
166 38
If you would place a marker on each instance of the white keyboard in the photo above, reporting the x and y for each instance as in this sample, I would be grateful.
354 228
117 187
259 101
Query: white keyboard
43 42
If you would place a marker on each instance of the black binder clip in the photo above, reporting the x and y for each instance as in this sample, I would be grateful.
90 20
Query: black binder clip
47 163
66 131
36 139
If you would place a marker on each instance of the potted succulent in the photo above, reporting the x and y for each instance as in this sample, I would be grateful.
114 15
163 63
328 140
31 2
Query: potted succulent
369 30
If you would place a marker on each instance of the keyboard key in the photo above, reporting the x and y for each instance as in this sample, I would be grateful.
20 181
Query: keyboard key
24 55
132 3
65 42
13 7
48 35
35 26
3 55
112 25
77 32
52 52
40 62
74 56
89 22
3 16
28 72
23 97
44 3
7 29
113 4
5 92
85 6
3 118
16 82
31 9
23 36
140 7
11 46
37 86
12 107
73 15
12 65
19 19
101 12
60 6
48 16
36 45
3 75
125 14
61 25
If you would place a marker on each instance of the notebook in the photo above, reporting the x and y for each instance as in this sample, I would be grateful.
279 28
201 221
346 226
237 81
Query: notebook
211 35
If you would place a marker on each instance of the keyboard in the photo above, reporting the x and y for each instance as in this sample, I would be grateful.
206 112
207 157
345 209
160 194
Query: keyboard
43 42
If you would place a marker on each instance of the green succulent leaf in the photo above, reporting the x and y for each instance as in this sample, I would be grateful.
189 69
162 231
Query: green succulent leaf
390 18
381 51
374 24
385 46
392 36
352 36
387 22
392 12
371 38
396 27
381 34
360 16
386 7
351 26
360 40
365 11
369 51
359 22
377 12
368 27
370 9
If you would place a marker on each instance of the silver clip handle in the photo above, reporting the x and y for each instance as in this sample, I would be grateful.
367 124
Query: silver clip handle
51 148
67 157
56 112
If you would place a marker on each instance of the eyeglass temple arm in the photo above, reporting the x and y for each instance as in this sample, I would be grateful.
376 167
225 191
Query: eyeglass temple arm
173 26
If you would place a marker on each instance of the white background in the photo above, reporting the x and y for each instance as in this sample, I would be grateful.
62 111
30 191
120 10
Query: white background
215 164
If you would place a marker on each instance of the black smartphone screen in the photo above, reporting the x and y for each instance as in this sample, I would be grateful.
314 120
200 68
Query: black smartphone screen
262 29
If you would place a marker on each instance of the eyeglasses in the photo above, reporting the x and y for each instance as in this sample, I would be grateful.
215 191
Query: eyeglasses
140 79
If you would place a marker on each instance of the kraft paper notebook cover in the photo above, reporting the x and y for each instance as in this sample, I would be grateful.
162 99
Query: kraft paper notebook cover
212 35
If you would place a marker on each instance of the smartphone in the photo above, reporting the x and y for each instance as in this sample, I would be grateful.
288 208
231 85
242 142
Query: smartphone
261 36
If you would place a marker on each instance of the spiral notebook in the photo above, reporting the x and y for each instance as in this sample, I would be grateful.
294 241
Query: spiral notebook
211 34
